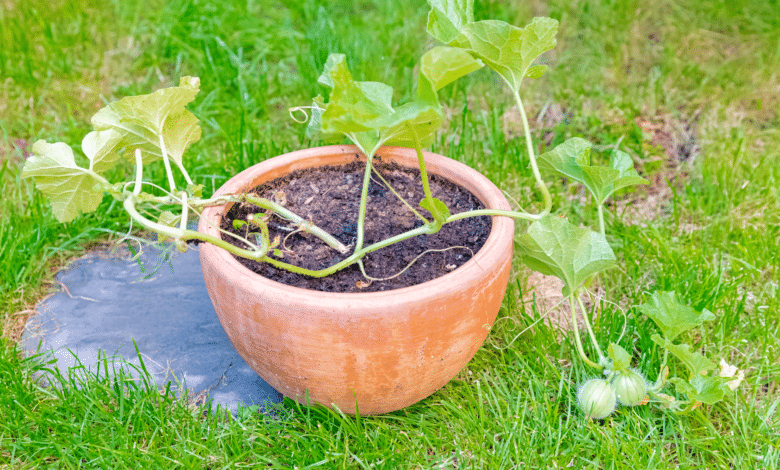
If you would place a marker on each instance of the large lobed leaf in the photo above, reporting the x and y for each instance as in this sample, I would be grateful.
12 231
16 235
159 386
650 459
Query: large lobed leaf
71 188
363 111
352 104
148 122
555 247
507 49
572 159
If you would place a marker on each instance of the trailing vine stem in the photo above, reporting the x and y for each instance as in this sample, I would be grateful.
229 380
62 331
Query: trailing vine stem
589 327
577 340
532 156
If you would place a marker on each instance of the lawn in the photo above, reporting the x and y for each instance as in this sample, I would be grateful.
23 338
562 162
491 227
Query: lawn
689 89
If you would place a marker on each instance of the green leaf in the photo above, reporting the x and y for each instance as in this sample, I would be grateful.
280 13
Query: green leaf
420 117
573 160
564 158
71 188
507 49
437 208
605 181
695 361
555 247
621 360
672 317
353 105
141 120
708 390
363 112
441 66
536 71
447 18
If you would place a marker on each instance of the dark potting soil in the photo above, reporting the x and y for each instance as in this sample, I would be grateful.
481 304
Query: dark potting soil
329 197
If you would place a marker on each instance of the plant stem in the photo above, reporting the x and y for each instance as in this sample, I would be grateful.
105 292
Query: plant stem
577 334
267 204
139 173
185 235
353 258
363 202
590 330
305 225
498 212
532 155
421 162
184 172
167 164
184 210
601 219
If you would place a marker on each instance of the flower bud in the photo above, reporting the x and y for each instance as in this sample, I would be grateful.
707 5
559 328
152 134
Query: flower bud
630 387
596 398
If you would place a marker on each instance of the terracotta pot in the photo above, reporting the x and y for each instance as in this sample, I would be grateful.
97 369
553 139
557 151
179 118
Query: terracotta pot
369 352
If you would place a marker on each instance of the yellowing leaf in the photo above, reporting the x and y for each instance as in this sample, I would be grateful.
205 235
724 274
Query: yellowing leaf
142 119
179 131
99 147
168 219
71 188
195 190
536 71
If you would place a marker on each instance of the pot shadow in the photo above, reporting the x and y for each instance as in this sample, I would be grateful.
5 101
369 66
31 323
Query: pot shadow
159 304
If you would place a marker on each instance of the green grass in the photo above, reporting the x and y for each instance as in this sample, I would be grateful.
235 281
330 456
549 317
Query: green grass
690 89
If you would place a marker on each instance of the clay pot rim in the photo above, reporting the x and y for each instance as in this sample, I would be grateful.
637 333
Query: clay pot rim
482 188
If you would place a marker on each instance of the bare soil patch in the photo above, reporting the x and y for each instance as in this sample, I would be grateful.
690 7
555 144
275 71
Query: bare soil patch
330 197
